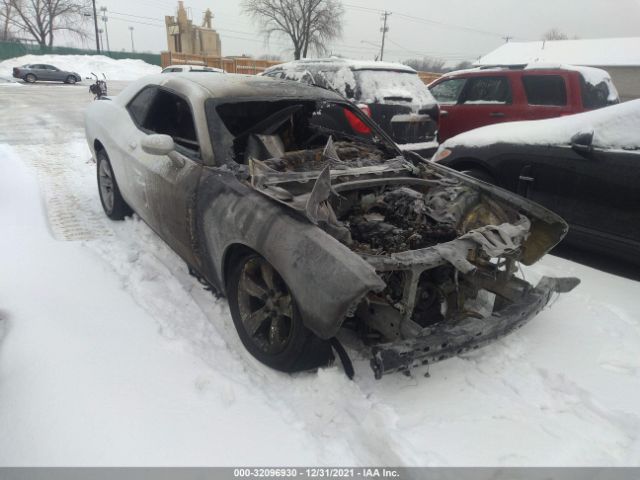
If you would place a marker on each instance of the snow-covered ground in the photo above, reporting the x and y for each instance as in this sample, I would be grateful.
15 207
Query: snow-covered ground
126 69
111 354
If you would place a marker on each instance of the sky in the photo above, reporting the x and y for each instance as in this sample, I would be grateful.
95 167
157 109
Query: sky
452 30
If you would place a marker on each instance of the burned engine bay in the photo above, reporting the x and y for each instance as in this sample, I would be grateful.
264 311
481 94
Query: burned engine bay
447 251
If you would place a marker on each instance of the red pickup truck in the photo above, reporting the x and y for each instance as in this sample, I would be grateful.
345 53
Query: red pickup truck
486 95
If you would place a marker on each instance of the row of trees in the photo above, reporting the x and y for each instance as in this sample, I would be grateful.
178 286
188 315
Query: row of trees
42 19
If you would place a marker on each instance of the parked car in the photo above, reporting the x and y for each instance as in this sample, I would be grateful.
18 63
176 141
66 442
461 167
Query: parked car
308 221
191 68
585 167
40 72
483 96
390 93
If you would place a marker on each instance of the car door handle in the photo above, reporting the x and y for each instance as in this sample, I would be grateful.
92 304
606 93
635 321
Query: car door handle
497 114
444 113
525 178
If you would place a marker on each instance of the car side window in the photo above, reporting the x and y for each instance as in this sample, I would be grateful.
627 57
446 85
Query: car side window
448 92
170 114
487 90
139 107
545 90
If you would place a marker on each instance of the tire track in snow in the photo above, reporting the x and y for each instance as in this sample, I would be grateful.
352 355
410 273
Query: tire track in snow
63 173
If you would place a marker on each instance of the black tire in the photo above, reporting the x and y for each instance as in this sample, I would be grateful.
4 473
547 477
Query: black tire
112 202
71 80
480 175
296 348
30 78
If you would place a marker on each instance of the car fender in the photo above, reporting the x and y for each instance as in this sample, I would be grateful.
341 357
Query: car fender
327 279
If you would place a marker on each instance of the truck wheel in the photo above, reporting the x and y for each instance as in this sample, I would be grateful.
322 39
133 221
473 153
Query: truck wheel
30 78
70 80
112 202
480 175
267 319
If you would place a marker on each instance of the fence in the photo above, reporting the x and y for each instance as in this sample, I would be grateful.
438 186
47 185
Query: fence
18 49
242 65
249 66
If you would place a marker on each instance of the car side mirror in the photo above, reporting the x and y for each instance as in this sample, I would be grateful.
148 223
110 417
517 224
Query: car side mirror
582 143
158 144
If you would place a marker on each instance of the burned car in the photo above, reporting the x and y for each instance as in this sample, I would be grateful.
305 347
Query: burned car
309 224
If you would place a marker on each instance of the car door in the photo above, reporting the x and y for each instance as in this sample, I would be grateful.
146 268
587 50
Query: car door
40 72
167 184
49 73
596 192
547 95
447 92
485 100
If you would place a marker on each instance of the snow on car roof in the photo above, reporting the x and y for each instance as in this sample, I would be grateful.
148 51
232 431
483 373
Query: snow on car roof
344 62
615 127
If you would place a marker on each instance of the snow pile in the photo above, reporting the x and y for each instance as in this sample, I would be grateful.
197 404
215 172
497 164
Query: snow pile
616 127
127 69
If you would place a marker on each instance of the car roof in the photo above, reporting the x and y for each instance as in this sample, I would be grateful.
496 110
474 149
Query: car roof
339 63
235 85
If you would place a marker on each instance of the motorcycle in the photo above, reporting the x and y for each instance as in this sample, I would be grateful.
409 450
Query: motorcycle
99 88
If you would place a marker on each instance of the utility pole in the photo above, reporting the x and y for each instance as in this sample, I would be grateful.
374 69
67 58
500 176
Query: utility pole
133 49
106 32
384 31
95 25
507 38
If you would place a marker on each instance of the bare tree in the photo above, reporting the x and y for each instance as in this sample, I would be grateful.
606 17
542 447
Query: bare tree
427 64
309 24
6 12
555 34
41 19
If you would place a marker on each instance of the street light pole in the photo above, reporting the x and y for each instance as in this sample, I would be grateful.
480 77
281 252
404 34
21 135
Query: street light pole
133 48
95 25
106 31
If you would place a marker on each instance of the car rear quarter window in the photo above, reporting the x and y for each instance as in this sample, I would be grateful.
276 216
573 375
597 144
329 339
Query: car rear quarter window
139 107
448 91
487 90
548 90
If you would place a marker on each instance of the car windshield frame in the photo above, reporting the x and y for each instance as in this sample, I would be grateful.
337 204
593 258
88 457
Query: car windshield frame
222 139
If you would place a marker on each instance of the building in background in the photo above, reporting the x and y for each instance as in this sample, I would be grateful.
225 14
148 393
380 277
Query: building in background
618 56
185 37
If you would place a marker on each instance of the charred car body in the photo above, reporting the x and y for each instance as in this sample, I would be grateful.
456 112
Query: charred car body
308 224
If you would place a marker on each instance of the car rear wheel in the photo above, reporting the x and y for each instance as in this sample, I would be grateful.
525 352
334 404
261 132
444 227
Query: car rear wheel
480 175
71 79
30 78
267 319
112 202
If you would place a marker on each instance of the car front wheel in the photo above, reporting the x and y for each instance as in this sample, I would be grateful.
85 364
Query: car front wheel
267 319
112 202
71 79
